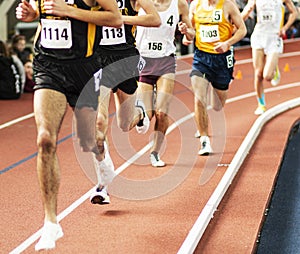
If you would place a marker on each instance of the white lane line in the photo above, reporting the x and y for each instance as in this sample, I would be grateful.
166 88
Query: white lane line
17 120
198 229
23 246
29 241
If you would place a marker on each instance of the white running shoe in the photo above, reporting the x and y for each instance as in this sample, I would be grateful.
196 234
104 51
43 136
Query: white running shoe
100 196
197 134
143 125
205 146
105 169
260 109
276 79
156 161
50 233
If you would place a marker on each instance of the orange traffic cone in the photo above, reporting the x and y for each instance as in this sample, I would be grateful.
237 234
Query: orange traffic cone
239 75
286 68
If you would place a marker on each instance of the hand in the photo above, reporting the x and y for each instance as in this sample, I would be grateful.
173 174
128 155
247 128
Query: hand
56 7
25 11
221 47
185 41
182 27
282 32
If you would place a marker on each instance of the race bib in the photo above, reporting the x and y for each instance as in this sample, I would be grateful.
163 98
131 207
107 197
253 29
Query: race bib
154 46
230 59
56 34
121 4
209 33
141 64
112 35
267 16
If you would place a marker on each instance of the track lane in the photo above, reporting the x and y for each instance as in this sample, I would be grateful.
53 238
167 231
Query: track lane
122 216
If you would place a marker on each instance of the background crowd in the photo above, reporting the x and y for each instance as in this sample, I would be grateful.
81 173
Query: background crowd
16 73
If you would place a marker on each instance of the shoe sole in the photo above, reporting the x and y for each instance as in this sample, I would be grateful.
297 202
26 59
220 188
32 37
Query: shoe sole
99 200
158 166
204 154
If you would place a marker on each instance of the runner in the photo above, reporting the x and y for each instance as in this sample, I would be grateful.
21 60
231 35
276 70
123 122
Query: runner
63 66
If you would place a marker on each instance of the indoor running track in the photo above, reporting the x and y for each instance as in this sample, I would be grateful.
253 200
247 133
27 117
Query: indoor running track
153 210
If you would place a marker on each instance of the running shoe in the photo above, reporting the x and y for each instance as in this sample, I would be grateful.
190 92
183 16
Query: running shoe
205 148
276 79
156 161
143 125
100 196
260 109
197 134
105 169
50 233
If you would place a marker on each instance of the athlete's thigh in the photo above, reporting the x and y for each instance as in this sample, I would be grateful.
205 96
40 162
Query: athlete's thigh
124 102
220 97
164 94
49 109
200 87
258 58
145 93
103 100
271 63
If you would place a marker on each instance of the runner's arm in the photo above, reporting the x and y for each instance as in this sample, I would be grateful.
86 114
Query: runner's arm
109 17
185 26
151 19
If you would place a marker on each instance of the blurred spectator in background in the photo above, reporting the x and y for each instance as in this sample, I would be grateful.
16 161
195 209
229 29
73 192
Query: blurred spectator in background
19 48
10 80
29 83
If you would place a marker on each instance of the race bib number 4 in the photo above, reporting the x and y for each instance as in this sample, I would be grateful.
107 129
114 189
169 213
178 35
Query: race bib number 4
209 33
56 34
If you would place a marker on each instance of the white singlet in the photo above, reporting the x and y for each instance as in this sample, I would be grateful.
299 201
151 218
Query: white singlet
157 42
269 16
266 31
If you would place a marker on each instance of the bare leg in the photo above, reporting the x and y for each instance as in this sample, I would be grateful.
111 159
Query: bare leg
48 116
85 124
104 166
128 115
165 87
218 99
102 120
200 88
270 66
258 64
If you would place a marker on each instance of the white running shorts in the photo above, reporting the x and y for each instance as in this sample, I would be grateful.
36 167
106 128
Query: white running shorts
271 43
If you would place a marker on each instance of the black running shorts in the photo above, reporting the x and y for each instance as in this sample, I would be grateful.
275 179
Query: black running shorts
72 78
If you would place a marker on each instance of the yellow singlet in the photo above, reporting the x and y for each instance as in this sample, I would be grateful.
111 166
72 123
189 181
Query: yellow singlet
211 26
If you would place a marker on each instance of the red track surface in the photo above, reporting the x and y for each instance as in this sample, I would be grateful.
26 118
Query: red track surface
159 224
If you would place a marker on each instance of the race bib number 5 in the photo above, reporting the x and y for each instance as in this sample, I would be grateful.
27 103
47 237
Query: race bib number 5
56 34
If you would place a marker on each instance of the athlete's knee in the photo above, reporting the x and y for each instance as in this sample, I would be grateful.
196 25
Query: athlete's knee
160 115
268 76
124 125
259 74
218 104
46 142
